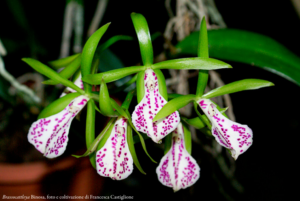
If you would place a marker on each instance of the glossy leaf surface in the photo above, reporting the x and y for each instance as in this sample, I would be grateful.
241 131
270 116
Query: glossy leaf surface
59 63
247 47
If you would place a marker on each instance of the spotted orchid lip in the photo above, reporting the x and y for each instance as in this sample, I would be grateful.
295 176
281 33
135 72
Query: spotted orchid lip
114 159
178 169
149 106
229 134
50 135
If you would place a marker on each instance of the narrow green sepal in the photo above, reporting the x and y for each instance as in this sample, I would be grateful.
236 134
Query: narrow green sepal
59 63
187 137
143 34
168 143
95 143
90 129
162 87
58 105
104 101
195 63
132 149
241 85
174 105
112 75
68 71
48 72
107 134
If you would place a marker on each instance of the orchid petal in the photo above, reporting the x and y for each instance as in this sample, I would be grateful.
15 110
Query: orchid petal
229 134
78 82
50 135
149 106
178 169
114 159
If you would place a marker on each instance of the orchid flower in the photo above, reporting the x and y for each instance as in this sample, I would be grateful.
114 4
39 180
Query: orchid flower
178 169
114 159
229 134
50 135
150 105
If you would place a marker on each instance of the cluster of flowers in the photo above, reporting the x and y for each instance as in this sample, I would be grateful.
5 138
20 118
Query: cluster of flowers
177 169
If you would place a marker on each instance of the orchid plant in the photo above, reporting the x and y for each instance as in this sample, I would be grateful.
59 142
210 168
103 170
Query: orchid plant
112 152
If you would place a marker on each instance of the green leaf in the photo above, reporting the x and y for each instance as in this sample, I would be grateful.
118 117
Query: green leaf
68 71
191 64
104 101
112 75
95 143
143 34
247 47
187 138
48 72
58 105
241 85
59 63
90 129
132 149
174 105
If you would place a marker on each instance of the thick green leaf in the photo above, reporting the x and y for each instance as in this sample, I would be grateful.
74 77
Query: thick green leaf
247 47
58 105
241 85
68 71
143 34
174 105
104 101
48 72
132 149
59 63
112 75
90 129
95 143
191 64
187 138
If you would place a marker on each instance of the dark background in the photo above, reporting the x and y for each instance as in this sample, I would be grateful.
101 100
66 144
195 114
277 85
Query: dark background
268 170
